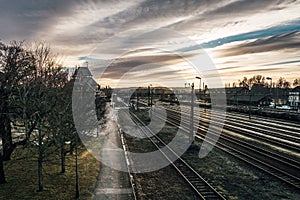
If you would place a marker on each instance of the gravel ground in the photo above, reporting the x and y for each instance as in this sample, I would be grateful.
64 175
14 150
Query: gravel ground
161 184
238 180
234 178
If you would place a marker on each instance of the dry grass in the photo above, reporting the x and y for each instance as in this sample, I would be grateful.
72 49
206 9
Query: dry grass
237 179
21 174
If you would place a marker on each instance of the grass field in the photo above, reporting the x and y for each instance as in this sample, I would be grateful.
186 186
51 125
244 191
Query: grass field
21 175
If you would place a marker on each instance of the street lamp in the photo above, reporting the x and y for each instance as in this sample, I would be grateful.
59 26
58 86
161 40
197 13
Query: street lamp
137 98
150 98
192 116
76 166
151 95
197 77
250 96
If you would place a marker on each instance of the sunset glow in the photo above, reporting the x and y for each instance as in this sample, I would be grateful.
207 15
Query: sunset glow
243 38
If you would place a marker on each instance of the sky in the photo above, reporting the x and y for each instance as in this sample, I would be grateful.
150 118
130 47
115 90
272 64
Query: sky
163 42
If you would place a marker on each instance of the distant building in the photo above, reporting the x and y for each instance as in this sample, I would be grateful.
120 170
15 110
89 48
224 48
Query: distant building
259 95
294 98
84 77
280 96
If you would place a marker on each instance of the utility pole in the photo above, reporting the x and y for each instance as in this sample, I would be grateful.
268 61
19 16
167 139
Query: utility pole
269 78
149 95
151 100
197 77
192 116
276 100
137 99
250 104
250 99
236 99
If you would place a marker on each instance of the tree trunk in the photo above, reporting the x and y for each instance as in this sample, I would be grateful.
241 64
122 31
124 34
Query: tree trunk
2 175
40 175
40 163
63 157
72 148
5 131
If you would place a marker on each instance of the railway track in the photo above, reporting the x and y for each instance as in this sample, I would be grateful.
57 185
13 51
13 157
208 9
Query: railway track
245 127
270 162
266 132
201 188
277 129
277 134
257 134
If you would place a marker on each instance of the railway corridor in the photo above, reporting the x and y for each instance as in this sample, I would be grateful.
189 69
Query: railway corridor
275 149
263 154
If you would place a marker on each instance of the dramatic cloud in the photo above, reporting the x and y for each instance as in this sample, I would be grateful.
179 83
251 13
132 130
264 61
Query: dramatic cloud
242 37
287 42
139 66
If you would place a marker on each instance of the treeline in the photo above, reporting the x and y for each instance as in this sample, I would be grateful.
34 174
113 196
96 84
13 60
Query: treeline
36 94
267 81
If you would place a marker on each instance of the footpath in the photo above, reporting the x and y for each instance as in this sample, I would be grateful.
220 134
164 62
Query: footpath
112 184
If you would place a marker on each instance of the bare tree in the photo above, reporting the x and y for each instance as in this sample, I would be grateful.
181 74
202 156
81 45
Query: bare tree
61 122
26 77
282 83
286 84
244 82
49 79
296 82
16 65
257 79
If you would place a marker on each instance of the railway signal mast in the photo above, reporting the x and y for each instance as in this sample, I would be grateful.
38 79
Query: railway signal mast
192 136
269 78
